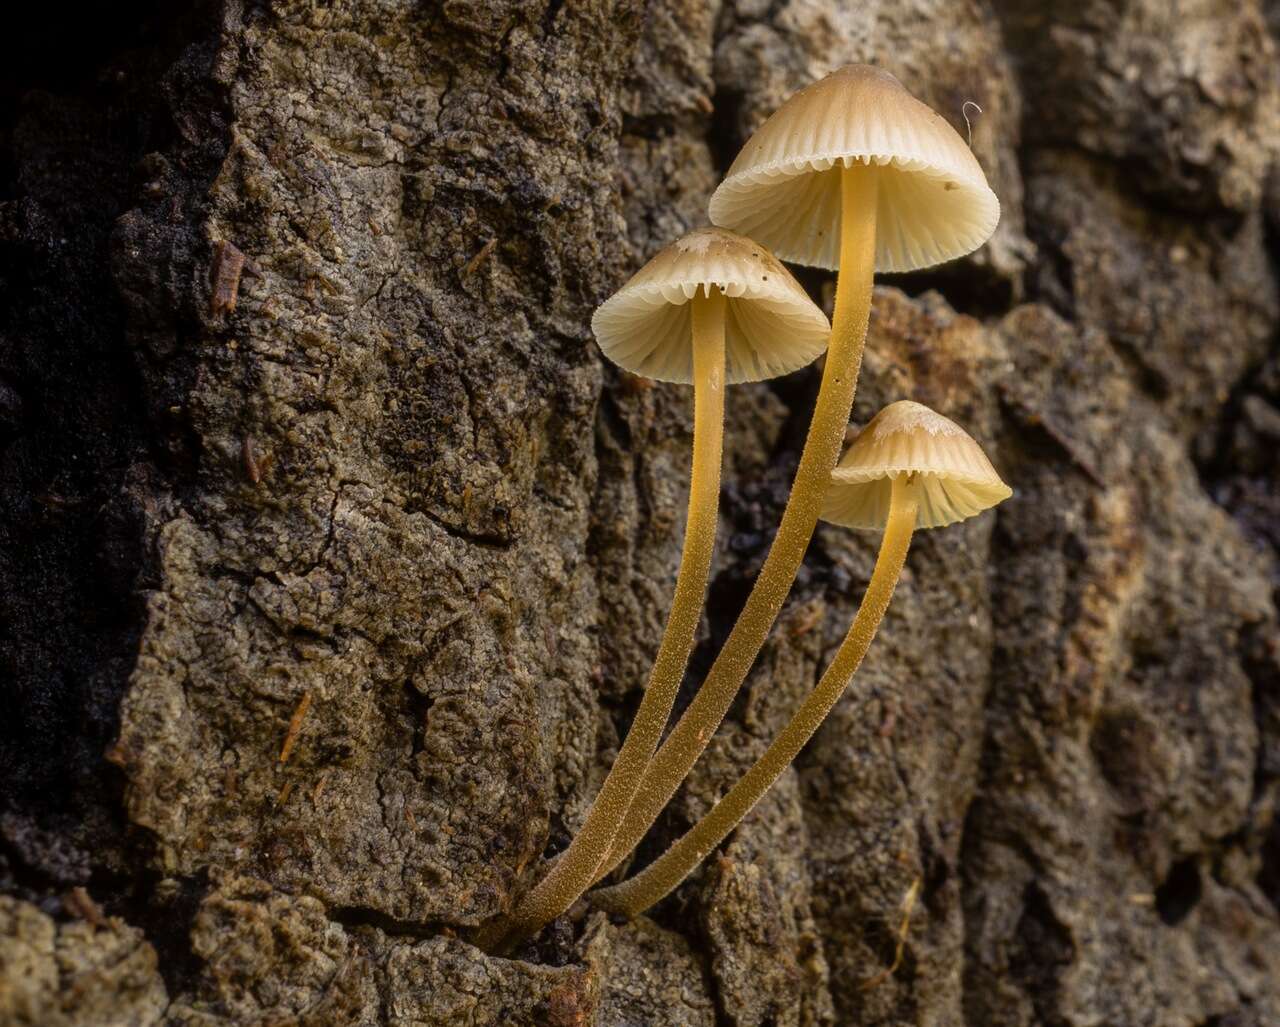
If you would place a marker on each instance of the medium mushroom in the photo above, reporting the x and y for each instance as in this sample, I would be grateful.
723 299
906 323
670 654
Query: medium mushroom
853 173
908 468
711 307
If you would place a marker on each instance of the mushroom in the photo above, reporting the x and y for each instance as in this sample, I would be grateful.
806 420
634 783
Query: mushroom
711 307
908 468
851 172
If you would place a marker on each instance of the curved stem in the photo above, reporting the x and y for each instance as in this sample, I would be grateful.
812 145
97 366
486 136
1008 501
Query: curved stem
574 871
671 764
660 877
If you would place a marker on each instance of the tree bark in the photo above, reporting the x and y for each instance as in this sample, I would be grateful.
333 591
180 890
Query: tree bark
333 555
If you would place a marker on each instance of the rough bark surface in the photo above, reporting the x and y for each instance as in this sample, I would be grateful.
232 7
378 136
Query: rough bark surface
333 555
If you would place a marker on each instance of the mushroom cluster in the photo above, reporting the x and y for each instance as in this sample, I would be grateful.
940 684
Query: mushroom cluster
851 173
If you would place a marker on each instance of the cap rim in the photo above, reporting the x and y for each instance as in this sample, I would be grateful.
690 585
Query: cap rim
975 229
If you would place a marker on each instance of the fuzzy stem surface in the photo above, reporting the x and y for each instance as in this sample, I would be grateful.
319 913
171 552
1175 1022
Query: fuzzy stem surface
673 761
657 880
574 871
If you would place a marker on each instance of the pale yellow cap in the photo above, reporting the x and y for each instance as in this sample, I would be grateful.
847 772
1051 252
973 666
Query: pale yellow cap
953 477
784 187
771 325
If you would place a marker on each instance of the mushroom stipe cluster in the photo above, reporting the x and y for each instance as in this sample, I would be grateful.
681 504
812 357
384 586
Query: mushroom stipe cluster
851 173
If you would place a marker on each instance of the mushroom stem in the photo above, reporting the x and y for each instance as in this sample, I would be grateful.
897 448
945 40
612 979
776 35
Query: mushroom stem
574 871
660 877
673 761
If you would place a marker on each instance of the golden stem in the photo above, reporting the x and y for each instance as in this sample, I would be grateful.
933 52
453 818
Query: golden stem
660 877
672 763
574 870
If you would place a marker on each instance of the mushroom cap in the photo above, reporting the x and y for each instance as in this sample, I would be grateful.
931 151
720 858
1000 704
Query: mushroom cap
771 325
953 477
933 205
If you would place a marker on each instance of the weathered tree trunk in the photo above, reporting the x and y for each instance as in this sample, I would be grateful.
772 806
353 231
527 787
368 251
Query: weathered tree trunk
304 437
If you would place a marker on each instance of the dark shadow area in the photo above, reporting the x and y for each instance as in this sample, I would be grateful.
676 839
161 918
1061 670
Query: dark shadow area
86 93
1179 892
968 287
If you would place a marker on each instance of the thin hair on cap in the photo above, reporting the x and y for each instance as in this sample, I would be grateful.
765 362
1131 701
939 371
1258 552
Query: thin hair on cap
933 203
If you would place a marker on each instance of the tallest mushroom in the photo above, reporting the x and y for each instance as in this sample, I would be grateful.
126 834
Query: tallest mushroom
852 173
856 153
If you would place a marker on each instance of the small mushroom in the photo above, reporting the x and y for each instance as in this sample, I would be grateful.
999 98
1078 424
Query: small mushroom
851 172
909 468
711 307
951 477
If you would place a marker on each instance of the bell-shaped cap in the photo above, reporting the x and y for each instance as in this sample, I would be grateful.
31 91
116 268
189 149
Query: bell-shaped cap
933 204
950 474
771 325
